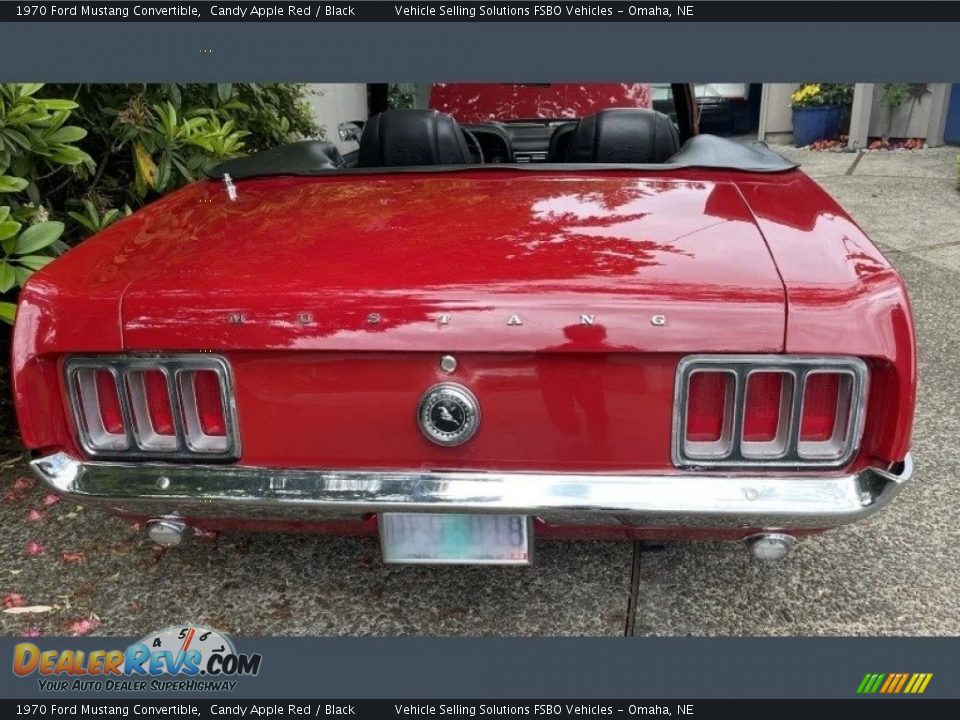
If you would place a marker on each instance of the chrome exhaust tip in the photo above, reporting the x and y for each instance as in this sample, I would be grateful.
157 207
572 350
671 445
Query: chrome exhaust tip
770 547
168 533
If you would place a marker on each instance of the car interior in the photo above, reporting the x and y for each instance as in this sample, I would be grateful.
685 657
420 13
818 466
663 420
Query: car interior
412 139
417 137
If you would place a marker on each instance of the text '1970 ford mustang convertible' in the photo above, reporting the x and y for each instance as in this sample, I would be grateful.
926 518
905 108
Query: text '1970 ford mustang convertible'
525 312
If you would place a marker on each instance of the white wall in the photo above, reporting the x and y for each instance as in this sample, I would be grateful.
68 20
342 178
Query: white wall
925 121
901 122
334 103
775 114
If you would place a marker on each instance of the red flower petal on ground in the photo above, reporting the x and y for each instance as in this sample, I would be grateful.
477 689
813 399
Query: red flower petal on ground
12 496
72 558
35 548
30 633
36 516
83 626
12 600
51 499
23 483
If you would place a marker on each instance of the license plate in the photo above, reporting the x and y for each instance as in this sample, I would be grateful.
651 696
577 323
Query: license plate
455 539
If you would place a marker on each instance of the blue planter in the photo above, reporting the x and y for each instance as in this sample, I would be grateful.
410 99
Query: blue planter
815 123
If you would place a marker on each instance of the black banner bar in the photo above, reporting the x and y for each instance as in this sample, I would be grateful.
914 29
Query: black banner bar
228 709
471 11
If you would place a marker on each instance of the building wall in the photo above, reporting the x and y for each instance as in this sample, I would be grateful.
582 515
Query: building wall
776 115
907 121
921 119
334 103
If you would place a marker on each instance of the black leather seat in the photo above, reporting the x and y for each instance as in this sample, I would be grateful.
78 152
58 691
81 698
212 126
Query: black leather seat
624 135
396 138
560 142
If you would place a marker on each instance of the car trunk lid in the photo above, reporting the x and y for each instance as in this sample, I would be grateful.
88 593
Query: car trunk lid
465 261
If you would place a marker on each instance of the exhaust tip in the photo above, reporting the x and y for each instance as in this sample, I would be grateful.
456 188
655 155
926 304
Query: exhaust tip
168 533
770 547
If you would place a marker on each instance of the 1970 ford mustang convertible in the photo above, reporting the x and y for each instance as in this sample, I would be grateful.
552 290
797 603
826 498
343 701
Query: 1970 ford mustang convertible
525 312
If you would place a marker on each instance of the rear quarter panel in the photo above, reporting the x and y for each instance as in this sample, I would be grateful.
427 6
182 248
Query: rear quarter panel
843 297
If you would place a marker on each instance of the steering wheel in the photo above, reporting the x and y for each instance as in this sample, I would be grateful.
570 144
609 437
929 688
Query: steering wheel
476 143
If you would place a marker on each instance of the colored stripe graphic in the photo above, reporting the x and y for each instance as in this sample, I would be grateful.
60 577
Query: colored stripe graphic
903 681
894 683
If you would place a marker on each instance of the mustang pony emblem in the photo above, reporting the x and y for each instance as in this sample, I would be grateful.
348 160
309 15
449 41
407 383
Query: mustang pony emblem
448 414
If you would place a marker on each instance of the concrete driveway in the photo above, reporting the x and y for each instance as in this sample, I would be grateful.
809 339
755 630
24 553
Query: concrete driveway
895 574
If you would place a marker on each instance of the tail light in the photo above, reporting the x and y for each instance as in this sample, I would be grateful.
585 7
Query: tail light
98 409
788 411
164 407
709 406
151 406
825 413
820 398
763 415
202 399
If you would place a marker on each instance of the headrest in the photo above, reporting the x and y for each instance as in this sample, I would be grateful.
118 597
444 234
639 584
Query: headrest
624 135
396 138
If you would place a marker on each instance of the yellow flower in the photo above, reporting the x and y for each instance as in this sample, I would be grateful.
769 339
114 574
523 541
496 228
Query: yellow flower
804 93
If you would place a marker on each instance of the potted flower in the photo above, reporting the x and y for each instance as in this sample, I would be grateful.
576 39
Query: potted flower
816 111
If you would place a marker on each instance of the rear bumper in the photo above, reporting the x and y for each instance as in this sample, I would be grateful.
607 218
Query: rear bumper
680 500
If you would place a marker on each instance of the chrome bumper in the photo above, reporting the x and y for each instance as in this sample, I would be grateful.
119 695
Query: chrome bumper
675 500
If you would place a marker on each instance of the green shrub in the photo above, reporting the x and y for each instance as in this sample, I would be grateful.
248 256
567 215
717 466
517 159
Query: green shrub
75 158
37 151
401 95
150 139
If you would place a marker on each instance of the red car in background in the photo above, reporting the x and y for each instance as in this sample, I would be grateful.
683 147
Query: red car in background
530 311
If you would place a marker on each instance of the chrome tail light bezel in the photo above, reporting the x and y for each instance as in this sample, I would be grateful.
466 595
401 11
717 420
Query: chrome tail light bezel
126 369
784 451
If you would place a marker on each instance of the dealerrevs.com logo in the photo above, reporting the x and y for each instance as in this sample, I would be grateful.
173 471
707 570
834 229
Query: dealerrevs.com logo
180 659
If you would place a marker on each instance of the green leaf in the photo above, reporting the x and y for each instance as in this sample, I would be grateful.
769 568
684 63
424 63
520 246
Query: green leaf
35 262
81 219
183 169
8 228
224 91
8 278
7 312
23 274
163 172
17 137
173 93
69 155
28 89
36 237
68 134
10 184
33 194
55 104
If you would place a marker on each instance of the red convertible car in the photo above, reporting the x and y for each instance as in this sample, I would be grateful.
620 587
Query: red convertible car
530 311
